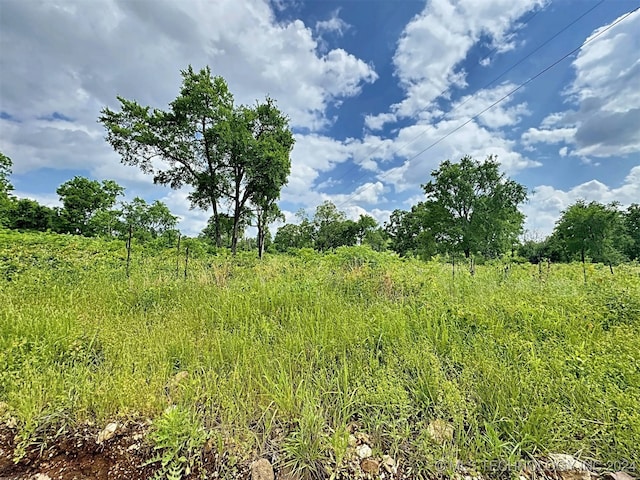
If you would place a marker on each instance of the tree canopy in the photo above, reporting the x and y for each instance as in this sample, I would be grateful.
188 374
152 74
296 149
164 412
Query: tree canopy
592 230
470 207
229 156
329 229
82 199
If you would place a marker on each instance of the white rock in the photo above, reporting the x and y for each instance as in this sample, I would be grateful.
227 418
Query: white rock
562 462
389 464
364 451
108 433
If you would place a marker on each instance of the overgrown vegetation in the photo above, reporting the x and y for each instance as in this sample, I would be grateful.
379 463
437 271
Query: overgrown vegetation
289 354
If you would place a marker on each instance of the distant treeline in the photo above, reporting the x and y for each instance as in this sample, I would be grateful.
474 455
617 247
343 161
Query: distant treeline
470 210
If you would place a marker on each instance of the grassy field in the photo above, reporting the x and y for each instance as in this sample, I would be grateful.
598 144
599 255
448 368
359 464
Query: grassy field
288 356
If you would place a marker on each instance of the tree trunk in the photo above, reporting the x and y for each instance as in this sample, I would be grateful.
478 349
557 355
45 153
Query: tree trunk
260 242
216 223
237 210
234 233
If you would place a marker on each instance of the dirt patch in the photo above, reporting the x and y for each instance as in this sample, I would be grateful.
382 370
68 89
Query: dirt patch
77 456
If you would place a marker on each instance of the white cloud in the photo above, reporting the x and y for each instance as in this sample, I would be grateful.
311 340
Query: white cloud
546 203
499 113
606 119
369 193
426 145
190 222
438 39
314 154
334 25
73 57
376 122
90 52
552 136
48 199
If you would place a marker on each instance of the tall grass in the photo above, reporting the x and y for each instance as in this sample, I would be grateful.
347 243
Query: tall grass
290 354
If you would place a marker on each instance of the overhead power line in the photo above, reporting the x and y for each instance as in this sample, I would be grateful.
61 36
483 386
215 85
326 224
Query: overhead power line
495 48
504 97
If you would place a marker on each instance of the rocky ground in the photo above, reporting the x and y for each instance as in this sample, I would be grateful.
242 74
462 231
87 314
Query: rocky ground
121 452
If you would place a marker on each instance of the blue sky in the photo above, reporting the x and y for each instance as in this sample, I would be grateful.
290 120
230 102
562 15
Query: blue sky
377 92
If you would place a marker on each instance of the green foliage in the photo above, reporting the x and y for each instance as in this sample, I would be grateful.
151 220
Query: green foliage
294 236
82 199
288 355
304 448
5 172
329 230
592 230
473 207
632 226
27 214
186 140
226 154
5 188
178 439
411 233
259 163
148 221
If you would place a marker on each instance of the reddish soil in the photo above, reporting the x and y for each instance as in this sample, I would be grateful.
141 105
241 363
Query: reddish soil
78 456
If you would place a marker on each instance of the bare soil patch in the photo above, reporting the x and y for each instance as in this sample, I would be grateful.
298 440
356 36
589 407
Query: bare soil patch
78 455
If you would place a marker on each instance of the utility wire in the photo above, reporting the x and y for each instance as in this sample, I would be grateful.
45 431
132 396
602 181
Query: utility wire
501 99
505 72
524 22
401 147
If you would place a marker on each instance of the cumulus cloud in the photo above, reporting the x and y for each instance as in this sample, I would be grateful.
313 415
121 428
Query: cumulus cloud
333 25
546 202
438 39
369 193
314 154
429 142
553 135
604 120
496 112
63 61
190 221
90 52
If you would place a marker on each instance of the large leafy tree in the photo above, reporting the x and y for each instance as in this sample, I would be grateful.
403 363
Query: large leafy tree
592 230
365 226
181 146
270 166
27 214
237 157
332 228
82 200
259 163
411 232
147 220
471 207
295 236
